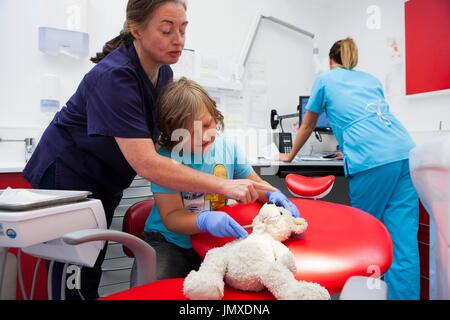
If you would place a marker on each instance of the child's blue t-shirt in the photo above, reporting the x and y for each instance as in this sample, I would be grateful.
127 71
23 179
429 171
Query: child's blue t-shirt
224 160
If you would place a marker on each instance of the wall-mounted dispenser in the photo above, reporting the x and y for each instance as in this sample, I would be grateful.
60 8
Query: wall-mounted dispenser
50 91
55 41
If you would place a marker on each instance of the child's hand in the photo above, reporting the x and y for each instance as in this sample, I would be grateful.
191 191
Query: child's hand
220 224
281 200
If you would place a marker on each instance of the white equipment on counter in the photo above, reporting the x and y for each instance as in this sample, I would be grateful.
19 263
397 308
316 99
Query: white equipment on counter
39 230
60 226
35 222
430 172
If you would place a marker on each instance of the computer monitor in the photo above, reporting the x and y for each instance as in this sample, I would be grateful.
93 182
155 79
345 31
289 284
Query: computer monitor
323 125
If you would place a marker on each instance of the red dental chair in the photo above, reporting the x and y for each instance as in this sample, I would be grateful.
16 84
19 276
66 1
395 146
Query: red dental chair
340 249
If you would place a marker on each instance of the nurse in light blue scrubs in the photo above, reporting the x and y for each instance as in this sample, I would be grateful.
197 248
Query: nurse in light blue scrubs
376 149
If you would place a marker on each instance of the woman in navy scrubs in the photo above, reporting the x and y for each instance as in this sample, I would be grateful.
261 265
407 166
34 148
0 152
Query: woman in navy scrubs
104 135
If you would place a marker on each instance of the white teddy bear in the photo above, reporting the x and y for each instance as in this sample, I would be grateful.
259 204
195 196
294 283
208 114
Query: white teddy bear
256 262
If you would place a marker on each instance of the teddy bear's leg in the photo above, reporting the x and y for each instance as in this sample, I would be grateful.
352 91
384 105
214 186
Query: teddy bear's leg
207 283
280 281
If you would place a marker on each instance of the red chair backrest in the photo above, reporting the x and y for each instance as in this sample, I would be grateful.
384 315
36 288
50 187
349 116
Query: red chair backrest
134 220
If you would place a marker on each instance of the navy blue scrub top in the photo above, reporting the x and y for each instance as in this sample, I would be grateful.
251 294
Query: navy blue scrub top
115 99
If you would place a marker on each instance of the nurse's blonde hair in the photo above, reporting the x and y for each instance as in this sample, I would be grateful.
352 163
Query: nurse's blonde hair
179 105
345 53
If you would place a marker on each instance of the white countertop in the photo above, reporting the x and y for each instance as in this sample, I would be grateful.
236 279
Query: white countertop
303 163
12 167
17 167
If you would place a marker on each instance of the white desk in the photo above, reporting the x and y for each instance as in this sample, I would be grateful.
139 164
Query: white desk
303 163
309 168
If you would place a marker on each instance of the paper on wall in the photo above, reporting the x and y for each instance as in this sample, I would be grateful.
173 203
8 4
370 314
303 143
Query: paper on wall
256 75
232 106
258 115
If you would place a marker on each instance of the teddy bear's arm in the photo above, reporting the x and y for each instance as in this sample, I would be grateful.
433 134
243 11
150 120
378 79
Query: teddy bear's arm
284 256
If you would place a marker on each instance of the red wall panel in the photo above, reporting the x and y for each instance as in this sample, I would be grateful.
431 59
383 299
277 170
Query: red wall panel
427 28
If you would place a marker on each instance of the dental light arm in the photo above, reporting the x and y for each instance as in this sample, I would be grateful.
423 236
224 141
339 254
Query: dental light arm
145 255
254 30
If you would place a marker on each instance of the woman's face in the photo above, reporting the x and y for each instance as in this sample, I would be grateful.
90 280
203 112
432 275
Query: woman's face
204 133
164 35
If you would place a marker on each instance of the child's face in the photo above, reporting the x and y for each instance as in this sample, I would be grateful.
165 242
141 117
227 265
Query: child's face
204 133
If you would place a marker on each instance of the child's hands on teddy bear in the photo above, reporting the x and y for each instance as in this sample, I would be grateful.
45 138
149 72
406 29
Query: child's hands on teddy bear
220 224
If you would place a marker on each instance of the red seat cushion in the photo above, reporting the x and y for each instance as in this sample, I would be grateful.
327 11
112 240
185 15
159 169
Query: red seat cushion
308 186
340 242
134 220
172 289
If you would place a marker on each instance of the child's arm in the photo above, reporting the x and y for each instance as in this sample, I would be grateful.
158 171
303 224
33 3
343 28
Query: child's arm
173 214
177 219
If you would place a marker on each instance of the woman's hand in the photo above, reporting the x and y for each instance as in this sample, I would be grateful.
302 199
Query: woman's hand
244 190
339 156
286 157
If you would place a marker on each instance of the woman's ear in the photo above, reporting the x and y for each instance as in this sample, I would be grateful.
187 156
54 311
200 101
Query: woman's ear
135 31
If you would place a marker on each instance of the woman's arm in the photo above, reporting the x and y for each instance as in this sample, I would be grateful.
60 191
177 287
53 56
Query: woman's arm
304 132
262 195
147 163
173 214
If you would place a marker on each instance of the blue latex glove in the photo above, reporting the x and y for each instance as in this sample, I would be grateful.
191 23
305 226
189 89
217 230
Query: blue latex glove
220 224
281 200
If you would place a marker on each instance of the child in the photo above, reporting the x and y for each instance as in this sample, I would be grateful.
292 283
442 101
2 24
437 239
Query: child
185 110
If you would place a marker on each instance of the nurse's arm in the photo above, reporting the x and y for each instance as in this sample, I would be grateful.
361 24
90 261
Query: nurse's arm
173 214
147 163
308 125
262 195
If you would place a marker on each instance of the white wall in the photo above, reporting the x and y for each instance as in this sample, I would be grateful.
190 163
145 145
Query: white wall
217 27
221 27
344 18
22 64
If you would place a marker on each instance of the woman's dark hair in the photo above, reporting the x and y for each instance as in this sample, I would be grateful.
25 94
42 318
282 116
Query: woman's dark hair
345 53
138 12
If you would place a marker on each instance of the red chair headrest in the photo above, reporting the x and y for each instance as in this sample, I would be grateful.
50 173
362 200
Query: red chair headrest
309 187
134 220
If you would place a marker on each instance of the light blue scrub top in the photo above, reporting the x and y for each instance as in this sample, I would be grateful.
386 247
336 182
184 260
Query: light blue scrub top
367 132
224 160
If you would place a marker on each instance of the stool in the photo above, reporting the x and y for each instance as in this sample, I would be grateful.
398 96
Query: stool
309 187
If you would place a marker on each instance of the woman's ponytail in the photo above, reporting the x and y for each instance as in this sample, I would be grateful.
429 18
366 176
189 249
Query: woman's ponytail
345 53
111 45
